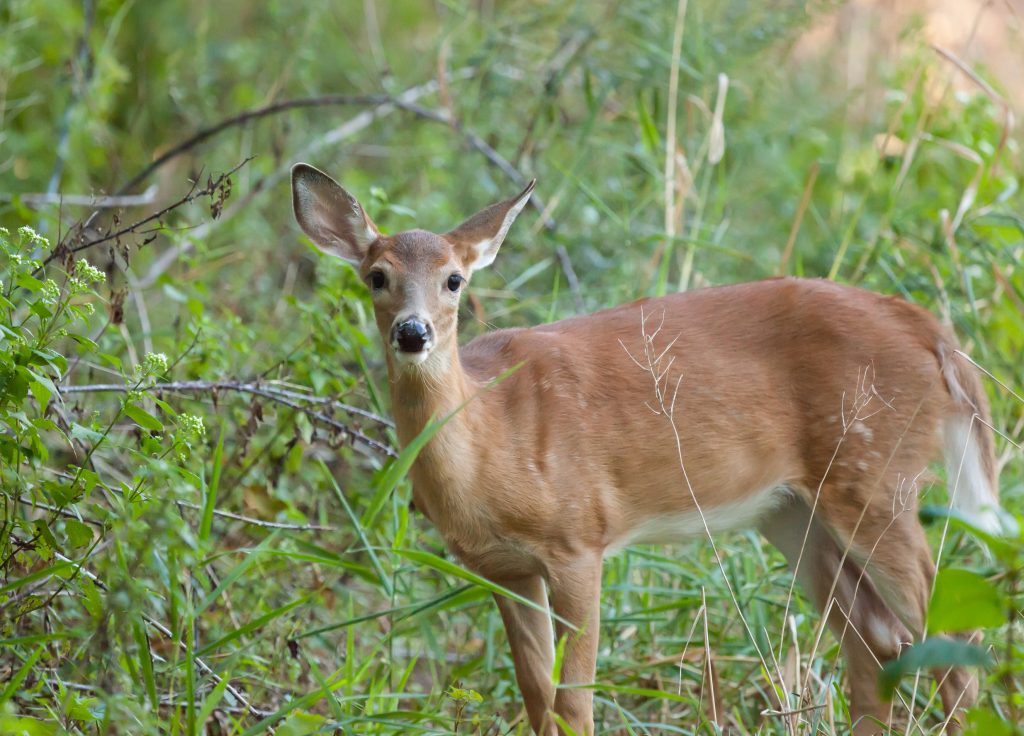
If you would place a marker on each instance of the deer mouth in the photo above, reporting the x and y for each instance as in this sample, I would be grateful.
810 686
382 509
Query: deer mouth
412 340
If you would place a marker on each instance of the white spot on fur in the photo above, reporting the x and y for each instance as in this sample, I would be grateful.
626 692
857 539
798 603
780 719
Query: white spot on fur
881 634
858 427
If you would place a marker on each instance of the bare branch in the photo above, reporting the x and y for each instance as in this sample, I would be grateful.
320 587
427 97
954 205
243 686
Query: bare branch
193 193
260 522
290 399
244 117
332 137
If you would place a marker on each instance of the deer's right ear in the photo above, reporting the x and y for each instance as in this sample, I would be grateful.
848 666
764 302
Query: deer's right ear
330 216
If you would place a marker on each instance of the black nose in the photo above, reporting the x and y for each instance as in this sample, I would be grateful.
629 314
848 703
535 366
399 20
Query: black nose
411 335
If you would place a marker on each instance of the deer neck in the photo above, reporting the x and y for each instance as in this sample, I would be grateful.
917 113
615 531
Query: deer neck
437 389
432 390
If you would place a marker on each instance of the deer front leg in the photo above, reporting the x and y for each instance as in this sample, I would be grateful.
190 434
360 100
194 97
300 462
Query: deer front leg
532 643
575 597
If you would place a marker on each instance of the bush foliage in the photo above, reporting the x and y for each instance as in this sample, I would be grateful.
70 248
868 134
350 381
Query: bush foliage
206 523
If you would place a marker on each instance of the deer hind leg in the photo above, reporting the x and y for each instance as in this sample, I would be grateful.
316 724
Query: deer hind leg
869 632
899 562
886 538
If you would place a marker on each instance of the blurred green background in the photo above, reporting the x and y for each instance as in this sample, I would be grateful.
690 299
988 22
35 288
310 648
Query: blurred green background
264 571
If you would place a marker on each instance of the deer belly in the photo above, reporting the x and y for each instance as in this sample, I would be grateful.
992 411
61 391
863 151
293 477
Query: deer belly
677 526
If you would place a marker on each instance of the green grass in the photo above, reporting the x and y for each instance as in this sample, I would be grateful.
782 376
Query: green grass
129 601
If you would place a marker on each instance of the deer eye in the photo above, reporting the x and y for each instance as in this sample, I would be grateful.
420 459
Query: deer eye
377 280
454 282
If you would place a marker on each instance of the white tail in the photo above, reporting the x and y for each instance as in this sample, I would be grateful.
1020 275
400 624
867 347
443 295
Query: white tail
804 408
970 465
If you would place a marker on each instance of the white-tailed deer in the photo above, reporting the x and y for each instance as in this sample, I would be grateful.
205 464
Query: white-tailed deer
804 408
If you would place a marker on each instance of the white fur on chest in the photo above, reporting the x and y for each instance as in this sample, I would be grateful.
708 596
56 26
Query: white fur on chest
680 526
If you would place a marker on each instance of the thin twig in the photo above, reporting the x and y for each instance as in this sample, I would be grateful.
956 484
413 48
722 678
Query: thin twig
193 193
244 117
59 511
260 522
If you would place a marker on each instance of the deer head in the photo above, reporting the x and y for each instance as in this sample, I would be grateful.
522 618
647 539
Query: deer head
416 278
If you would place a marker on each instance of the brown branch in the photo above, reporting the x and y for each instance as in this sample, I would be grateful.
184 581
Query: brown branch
193 193
290 399
244 117
332 100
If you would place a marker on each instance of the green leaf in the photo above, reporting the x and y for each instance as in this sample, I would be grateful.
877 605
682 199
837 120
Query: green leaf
42 388
964 600
928 654
27 281
53 569
983 722
85 434
85 709
647 127
26 726
382 576
211 701
79 534
143 418
210 501
1006 550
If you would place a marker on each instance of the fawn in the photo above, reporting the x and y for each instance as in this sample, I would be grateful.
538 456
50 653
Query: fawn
804 408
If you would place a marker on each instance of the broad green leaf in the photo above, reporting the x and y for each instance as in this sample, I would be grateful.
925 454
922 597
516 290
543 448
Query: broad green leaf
983 722
143 418
79 534
42 388
964 600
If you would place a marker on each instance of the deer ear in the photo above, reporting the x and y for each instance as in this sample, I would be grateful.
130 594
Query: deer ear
477 239
329 215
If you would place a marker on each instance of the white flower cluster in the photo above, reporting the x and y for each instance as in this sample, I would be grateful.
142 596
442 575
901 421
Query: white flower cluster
51 292
85 275
191 426
154 364
28 235
87 272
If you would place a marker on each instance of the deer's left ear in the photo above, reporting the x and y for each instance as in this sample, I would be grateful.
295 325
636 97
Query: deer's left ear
477 239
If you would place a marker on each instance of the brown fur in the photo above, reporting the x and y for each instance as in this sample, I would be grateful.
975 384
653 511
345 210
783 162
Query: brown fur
834 393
